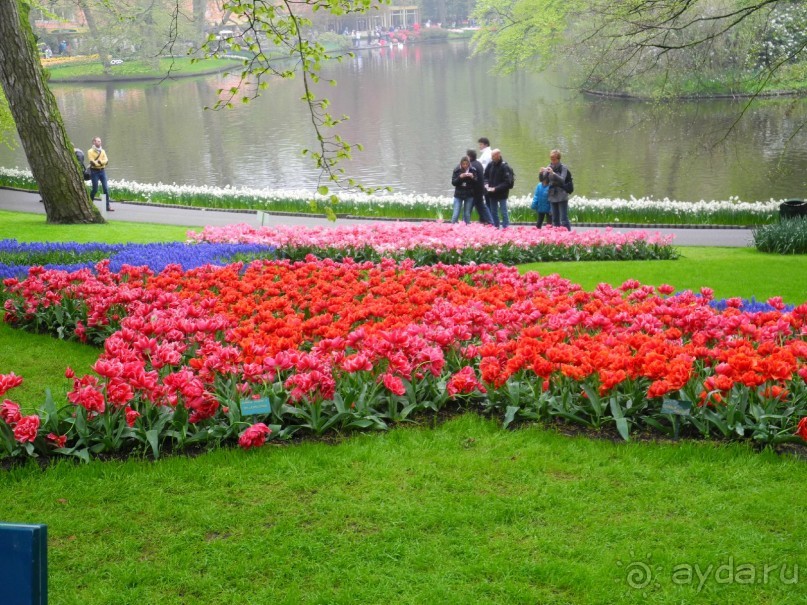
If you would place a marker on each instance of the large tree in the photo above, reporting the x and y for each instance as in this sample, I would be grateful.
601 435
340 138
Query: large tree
6 121
39 123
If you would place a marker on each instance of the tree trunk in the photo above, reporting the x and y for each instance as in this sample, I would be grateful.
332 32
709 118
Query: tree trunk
39 122
150 48
103 51
225 18
442 13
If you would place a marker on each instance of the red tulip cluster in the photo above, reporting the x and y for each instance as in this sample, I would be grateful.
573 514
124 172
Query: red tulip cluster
315 333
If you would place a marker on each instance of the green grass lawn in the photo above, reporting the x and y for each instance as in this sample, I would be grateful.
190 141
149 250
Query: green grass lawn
729 272
41 361
128 70
25 227
463 512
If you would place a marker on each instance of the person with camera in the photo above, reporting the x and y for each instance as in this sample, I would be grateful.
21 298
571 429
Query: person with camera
560 186
464 179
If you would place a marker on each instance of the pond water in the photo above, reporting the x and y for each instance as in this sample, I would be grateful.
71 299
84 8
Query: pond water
416 109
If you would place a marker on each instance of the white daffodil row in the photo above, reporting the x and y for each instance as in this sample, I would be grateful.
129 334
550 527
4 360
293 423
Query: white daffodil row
732 211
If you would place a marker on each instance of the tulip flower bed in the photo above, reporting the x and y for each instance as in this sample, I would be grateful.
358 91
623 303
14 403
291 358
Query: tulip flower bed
431 243
425 243
345 346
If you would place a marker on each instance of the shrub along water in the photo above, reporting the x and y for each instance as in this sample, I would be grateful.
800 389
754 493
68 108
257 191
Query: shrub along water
788 236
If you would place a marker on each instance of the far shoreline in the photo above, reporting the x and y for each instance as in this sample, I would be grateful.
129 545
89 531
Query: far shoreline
626 96
145 77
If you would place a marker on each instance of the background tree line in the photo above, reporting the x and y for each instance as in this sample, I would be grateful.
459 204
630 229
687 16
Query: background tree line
653 48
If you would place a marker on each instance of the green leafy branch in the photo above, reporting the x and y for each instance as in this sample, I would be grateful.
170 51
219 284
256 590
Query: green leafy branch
275 44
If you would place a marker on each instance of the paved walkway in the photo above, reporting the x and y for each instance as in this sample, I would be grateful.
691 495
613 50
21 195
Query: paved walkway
23 201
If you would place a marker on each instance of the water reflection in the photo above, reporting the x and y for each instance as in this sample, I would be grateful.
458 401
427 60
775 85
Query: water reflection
415 109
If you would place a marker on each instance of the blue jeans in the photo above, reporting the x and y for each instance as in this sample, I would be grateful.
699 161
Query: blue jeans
482 209
465 205
95 176
560 214
497 206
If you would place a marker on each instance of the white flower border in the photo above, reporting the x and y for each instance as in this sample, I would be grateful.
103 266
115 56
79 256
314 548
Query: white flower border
264 198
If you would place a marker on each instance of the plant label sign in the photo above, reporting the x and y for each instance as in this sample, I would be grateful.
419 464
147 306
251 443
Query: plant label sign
254 407
675 407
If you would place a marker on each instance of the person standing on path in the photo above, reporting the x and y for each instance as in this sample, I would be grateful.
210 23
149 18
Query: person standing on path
560 186
80 158
98 162
484 159
463 179
479 192
499 180
540 201
484 152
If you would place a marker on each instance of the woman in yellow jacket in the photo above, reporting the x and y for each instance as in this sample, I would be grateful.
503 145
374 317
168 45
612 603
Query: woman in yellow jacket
98 161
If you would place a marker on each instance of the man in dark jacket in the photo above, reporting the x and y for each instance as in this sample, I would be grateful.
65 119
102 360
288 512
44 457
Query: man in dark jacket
479 193
499 179
561 185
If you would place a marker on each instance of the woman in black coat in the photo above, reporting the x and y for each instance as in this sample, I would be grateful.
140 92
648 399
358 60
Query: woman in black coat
464 179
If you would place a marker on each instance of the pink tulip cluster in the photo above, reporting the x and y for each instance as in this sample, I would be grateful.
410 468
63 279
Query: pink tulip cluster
387 237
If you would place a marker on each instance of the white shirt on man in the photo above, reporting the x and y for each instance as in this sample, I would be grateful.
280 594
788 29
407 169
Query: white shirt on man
485 157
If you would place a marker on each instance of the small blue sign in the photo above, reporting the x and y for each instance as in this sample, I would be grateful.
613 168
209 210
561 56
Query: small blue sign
254 407
23 564
676 407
